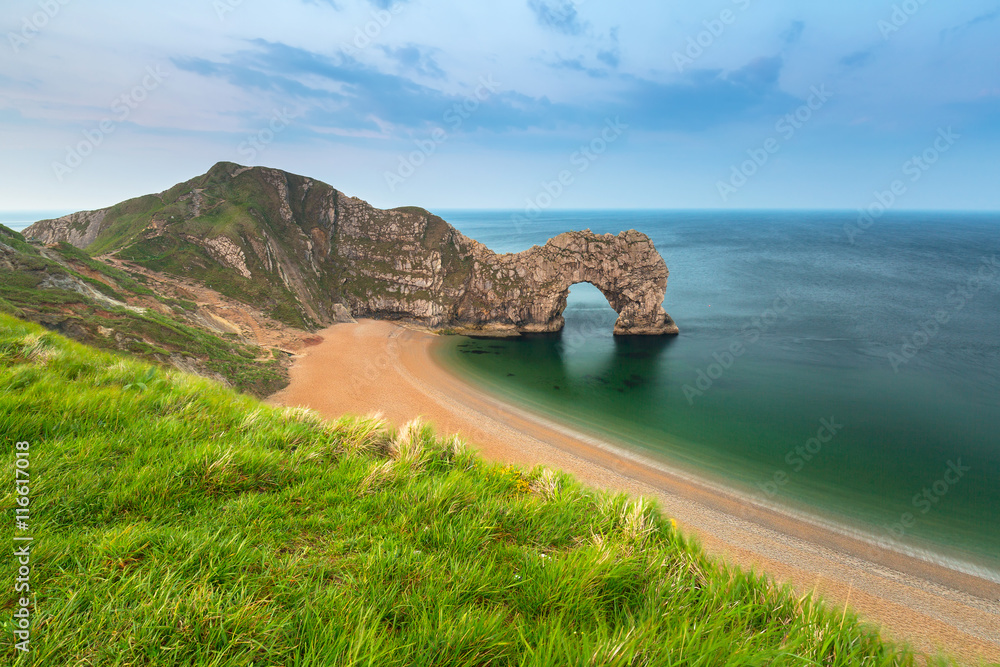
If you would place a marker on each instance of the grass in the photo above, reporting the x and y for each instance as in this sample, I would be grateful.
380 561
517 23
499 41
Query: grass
176 522
125 280
178 257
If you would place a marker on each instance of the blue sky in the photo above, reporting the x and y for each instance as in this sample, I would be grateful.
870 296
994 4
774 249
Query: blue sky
509 104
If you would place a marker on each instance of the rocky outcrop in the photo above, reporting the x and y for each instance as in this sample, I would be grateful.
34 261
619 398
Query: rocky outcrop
528 290
319 257
80 229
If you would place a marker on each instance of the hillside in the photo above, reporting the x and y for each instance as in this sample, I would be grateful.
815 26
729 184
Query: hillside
175 522
128 311
308 255
249 233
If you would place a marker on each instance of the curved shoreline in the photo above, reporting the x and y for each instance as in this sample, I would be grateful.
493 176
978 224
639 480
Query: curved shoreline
380 366
960 574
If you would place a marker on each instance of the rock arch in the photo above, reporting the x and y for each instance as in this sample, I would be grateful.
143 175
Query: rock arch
528 291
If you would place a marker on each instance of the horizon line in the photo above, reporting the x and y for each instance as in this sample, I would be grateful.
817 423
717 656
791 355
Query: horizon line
648 209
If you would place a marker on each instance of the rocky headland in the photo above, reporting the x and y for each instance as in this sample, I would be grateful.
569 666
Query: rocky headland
309 255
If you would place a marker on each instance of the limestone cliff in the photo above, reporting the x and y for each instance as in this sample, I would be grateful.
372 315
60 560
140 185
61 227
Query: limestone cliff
527 291
303 251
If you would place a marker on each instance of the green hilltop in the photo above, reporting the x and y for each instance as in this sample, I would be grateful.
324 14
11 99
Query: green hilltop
176 522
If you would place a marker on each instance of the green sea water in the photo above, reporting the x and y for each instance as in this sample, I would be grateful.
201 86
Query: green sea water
858 382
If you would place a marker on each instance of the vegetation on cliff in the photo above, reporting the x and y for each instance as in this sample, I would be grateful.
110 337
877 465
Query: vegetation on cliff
176 522
66 290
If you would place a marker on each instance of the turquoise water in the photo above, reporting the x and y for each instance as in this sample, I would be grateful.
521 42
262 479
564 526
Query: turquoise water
815 412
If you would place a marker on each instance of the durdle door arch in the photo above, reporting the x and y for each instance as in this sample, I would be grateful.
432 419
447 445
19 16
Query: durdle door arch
529 290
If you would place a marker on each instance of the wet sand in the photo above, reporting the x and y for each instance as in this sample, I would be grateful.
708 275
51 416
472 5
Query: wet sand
381 367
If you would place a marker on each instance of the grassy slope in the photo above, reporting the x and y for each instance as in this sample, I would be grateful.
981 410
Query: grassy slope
150 335
177 523
233 207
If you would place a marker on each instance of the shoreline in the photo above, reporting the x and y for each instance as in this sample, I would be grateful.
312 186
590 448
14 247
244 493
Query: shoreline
377 366
966 572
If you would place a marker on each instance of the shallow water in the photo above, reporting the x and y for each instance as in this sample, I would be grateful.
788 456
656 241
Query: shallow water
815 412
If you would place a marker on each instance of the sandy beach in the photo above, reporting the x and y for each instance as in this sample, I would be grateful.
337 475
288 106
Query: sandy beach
381 367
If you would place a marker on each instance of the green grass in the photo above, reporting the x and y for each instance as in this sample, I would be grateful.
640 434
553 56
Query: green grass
123 279
178 257
16 240
178 523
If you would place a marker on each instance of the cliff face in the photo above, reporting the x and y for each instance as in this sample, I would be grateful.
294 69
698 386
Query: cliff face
303 251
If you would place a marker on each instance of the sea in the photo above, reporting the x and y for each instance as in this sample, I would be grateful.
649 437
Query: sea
843 370
19 220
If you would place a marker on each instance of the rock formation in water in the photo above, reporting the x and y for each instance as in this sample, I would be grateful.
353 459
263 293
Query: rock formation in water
310 255
527 291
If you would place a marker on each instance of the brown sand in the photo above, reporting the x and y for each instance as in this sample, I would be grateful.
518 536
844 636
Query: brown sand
378 366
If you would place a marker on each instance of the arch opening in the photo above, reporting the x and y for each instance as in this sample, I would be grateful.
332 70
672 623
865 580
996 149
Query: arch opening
587 313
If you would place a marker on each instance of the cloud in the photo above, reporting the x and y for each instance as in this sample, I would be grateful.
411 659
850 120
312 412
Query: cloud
612 56
709 98
949 33
558 15
760 74
577 65
340 93
415 59
794 32
605 51
858 58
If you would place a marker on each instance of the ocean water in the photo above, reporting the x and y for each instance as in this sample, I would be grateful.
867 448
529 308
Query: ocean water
19 220
850 375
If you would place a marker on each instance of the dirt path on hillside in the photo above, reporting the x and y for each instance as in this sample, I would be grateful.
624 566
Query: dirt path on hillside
220 313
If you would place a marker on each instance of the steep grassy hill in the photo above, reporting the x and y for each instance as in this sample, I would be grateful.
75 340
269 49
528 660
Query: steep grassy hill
178 523
65 290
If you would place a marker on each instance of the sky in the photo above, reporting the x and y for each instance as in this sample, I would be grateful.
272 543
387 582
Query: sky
510 104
